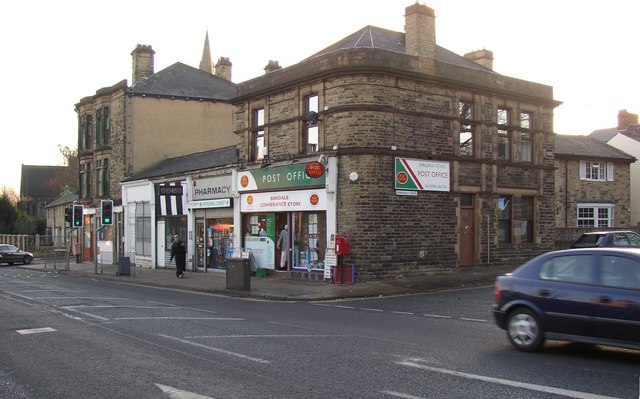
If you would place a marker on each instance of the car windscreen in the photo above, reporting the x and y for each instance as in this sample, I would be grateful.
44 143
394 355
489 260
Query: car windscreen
589 240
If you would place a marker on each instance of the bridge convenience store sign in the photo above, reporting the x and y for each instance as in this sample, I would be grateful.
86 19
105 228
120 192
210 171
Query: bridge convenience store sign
422 175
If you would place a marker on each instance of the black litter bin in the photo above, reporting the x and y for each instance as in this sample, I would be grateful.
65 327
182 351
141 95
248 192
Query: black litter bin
238 274
124 266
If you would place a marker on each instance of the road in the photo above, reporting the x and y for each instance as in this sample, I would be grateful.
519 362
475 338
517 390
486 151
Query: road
69 337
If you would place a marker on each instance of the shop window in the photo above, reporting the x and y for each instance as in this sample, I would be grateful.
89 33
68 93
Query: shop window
143 229
309 240
174 225
219 241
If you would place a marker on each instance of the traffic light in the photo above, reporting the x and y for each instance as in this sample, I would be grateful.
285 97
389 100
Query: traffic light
77 217
67 216
106 212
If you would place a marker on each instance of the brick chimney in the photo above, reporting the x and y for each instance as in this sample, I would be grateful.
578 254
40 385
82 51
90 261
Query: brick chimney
482 57
272 66
142 62
626 118
223 68
420 35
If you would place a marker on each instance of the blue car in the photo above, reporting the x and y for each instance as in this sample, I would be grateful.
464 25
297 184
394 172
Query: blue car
589 295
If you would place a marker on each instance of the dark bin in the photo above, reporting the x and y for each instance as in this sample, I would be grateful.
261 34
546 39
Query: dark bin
124 266
238 274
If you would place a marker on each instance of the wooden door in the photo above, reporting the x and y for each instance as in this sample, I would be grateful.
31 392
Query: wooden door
467 237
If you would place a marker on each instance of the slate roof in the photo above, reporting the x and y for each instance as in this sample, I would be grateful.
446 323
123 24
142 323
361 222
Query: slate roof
180 80
587 146
190 163
374 37
39 181
67 198
604 135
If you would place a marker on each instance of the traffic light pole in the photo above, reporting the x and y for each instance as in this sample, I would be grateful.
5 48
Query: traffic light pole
95 255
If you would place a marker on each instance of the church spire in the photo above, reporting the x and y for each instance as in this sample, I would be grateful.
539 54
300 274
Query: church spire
205 63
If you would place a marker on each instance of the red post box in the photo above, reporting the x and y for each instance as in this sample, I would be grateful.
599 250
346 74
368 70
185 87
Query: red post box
342 244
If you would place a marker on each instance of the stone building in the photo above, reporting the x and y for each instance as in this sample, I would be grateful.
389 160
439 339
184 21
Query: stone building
433 160
123 129
592 184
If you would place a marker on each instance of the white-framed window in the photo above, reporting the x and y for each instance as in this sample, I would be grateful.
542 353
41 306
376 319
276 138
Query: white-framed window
595 215
596 171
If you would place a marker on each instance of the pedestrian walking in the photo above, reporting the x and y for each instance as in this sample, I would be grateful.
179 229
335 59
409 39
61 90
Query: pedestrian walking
179 252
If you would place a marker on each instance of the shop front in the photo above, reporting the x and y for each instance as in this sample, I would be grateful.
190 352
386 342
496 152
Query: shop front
212 210
283 214
171 219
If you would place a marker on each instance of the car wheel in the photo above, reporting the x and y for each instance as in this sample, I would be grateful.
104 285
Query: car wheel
27 260
524 330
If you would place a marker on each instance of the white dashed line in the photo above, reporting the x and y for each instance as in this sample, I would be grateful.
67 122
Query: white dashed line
211 348
436 316
35 330
501 381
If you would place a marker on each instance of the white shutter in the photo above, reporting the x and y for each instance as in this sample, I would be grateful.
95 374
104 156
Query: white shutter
583 170
609 171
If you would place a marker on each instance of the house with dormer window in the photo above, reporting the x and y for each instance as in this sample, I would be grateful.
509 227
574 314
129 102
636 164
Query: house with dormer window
592 186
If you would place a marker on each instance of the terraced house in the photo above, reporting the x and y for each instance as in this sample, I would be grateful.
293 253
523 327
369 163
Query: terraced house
433 159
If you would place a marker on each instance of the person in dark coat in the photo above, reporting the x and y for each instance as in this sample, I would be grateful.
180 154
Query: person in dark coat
179 252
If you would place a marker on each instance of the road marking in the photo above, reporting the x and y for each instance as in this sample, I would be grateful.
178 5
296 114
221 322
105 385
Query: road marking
35 330
179 318
398 312
344 307
501 381
372 310
175 393
476 320
435 316
211 348
266 336
401 395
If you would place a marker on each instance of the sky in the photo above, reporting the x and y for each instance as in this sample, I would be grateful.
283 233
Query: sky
56 53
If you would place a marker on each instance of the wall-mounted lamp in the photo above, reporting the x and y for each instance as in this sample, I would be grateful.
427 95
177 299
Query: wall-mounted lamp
353 176
393 148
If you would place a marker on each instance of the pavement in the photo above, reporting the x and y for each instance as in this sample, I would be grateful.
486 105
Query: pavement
283 286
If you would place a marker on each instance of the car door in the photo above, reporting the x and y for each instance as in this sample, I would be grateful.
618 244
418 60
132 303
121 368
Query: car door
9 253
617 300
563 293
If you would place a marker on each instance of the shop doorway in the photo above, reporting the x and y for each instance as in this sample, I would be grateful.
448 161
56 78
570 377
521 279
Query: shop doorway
214 242
283 242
